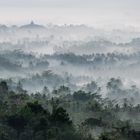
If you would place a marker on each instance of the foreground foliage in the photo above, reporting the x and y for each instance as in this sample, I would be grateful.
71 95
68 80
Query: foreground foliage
77 116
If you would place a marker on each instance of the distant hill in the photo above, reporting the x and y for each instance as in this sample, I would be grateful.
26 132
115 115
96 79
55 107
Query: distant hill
3 28
32 25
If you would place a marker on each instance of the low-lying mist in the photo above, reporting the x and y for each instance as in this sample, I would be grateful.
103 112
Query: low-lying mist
74 56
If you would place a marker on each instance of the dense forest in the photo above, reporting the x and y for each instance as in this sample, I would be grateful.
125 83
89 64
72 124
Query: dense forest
69 82
77 116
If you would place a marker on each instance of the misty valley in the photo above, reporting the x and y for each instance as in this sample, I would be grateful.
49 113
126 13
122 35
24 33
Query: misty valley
69 82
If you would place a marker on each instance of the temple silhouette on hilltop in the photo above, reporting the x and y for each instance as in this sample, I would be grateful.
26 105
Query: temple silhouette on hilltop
32 25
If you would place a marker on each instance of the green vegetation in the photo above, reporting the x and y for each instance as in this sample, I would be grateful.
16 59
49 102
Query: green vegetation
77 116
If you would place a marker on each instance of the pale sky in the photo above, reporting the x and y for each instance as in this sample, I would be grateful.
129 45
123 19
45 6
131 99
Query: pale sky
90 12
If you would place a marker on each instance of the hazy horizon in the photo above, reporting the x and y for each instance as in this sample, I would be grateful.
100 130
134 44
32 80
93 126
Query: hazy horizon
98 13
